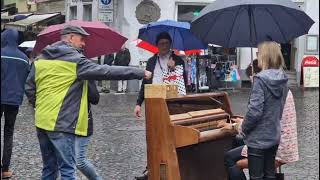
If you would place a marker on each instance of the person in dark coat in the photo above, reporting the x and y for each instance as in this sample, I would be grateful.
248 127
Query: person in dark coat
122 59
14 72
157 64
108 59
255 69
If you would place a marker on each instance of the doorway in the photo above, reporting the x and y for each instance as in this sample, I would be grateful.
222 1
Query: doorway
286 52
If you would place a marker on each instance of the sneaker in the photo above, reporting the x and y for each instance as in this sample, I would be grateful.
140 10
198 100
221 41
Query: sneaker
105 90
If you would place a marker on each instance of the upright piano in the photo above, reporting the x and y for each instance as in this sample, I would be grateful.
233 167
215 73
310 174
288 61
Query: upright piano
183 141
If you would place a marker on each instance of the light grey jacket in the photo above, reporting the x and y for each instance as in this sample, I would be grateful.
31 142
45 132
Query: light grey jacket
261 126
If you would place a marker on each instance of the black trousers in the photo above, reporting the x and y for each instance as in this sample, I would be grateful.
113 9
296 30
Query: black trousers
10 113
262 163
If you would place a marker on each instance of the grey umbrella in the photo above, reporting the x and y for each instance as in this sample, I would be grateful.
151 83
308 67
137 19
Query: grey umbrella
245 23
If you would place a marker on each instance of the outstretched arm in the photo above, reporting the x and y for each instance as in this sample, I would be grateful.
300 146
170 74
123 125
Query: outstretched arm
88 70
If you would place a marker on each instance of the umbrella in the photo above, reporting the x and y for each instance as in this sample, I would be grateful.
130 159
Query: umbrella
28 44
102 39
19 17
245 23
145 45
153 49
182 38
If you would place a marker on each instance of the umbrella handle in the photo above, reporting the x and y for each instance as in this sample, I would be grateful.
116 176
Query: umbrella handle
252 62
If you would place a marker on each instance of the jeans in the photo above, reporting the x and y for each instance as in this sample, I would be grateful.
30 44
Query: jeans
82 163
237 141
230 158
58 154
262 163
10 113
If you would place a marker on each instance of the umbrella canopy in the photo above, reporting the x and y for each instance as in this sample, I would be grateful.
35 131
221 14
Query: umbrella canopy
153 49
102 39
146 46
190 52
182 38
245 23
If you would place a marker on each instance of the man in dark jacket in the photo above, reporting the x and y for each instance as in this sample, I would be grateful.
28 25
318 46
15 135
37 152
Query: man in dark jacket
14 72
122 59
57 86
157 64
108 59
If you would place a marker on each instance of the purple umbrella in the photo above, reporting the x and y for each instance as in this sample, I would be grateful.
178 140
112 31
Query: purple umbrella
102 39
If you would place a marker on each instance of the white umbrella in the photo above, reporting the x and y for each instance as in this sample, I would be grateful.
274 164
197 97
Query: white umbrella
28 44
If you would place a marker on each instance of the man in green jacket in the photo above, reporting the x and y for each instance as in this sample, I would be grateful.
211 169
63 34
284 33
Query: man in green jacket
57 86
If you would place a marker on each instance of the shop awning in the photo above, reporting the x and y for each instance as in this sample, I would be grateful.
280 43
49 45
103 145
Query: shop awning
5 16
24 24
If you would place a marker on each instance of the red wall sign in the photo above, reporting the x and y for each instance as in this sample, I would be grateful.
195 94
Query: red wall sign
310 61
310 71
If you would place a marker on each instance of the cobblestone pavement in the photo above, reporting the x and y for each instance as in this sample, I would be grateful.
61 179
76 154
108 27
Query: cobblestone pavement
118 149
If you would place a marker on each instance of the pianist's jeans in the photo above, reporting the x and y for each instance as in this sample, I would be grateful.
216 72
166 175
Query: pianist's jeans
262 163
231 157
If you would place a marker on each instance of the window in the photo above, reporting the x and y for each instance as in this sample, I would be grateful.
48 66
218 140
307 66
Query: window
73 13
87 12
187 12
312 44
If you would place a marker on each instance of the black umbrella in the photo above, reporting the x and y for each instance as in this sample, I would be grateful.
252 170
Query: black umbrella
245 23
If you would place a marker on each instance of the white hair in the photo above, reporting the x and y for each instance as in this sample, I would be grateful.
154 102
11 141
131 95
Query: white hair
65 37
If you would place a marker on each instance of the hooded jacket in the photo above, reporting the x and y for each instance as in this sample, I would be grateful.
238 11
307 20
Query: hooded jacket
14 69
261 126
58 87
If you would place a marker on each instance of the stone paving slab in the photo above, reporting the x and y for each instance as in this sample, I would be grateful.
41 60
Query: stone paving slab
118 148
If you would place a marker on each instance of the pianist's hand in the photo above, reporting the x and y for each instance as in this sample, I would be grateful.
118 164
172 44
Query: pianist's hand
137 111
224 125
237 120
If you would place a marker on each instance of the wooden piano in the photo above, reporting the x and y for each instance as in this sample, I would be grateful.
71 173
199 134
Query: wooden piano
183 141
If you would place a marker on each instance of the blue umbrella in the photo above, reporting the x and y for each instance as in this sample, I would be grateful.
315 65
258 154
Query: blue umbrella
182 38
245 23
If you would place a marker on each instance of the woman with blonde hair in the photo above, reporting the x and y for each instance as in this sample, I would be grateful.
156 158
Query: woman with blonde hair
261 126
236 159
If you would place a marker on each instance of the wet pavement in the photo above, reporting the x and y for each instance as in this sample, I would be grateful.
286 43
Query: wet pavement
118 148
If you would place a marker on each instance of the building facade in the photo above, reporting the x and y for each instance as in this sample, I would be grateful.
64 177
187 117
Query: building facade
122 16
21 5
